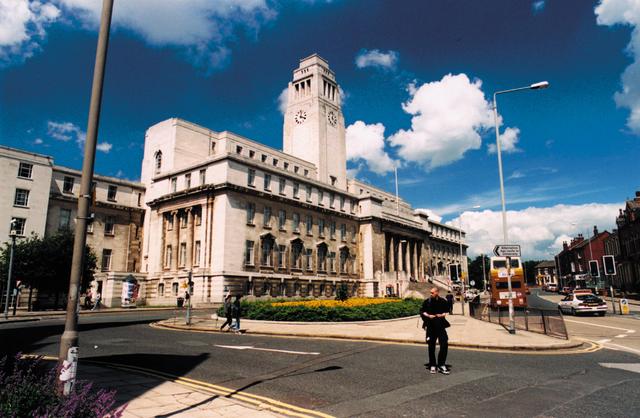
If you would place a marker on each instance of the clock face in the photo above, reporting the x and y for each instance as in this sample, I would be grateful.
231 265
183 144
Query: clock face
333 119
300 117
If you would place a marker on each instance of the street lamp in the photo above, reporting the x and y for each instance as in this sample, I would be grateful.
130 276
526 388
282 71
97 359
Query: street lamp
534 86
13 235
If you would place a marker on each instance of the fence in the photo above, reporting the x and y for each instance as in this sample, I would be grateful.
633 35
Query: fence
542 321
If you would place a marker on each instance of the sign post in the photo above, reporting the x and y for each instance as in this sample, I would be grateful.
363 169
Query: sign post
609 267
509 251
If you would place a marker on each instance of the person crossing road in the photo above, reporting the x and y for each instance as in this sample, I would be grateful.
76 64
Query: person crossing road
433 313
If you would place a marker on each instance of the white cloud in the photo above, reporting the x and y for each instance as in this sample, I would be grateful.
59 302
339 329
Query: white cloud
65 131
377 59
626 12
22 27
431 214
104 147
449 117
366 142
38 141
508 141
282 100
538 230
538 6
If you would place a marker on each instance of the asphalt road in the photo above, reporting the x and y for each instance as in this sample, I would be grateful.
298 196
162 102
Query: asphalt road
346 378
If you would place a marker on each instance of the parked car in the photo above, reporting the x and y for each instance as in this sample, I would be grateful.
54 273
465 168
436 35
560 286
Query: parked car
552 287
576 303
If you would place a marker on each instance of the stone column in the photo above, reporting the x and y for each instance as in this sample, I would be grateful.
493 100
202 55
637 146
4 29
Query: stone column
175 242
407 257
163 239
392 259
399 255
190 232
414 259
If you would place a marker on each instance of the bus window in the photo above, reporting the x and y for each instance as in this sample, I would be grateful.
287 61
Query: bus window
515 263
499 264
505 285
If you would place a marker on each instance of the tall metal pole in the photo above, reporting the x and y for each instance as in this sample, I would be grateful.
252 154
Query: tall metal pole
512 324
460 269
395 170
484 275
6 302
69 339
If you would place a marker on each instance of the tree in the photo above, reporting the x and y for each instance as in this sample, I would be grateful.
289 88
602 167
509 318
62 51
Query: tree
45 263
529 268
475 270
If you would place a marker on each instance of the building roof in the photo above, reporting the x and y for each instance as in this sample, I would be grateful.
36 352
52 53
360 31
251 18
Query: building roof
546 264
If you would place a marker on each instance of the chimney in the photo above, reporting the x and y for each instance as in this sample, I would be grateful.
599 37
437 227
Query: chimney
637 199
565 246
595 230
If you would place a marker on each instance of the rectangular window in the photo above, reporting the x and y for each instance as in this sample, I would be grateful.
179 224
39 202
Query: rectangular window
321 228
25 170
169 218
343 232
306 172
282 219
196 254
106 259
160 289
109 225
286 165
296 190
187 181
168 254
322 258
251 212
282 250
67 184
265 257
248 254
267 181
90 227
353 206
21 198
174 184
354 233
197 215
65 218
332 262
309 224
238 149
251 180
139 198
263 158
275 162
320 197
296 222
309 190
183 219
111 193
18 225
252 153
332 198
308 259
332 230
203 176
183 254
174 289
342 203
266 217
282 185
343 262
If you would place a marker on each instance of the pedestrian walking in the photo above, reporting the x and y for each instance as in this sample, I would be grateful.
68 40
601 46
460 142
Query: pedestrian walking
96 305
433 313
450 302
236 309
227 312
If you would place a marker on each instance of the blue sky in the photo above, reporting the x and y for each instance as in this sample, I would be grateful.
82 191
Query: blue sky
416 77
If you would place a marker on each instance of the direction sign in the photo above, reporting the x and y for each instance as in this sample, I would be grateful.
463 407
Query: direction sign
507 250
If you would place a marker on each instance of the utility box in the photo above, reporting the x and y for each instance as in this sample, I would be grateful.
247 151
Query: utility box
624 307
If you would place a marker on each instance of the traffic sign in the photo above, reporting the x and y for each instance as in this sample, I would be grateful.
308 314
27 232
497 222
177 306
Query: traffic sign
472 282
505 250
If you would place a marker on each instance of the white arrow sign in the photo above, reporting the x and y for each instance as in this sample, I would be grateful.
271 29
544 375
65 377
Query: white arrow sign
505 250
250 347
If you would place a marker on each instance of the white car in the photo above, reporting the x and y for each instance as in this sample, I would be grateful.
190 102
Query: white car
582 303
551 287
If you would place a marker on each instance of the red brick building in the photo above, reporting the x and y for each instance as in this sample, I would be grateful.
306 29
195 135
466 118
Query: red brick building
573 260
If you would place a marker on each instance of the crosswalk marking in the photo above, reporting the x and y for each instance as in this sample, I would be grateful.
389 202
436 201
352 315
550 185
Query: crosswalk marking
630 367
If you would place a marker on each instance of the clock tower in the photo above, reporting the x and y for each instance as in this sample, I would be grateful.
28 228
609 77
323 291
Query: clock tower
313 123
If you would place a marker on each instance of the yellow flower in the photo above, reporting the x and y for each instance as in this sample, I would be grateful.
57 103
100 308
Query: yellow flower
349 303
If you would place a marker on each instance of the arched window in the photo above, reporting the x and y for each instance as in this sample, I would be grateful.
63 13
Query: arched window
158 161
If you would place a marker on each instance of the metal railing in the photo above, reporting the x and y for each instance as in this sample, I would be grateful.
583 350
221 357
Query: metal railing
541 321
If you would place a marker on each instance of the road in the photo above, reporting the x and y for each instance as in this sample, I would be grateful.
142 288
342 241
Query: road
616 332
348 378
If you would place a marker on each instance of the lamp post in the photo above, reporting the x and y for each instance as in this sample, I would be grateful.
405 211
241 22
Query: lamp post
13 235
534 86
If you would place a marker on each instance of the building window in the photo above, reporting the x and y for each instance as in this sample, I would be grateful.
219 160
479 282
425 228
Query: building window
353 233
320 197
332 262
322 258
282 250
275 162
306 172
282 219
251 213
251 179
25 170
238 149
343 232
321 228
342 203
309 224
168 255
65 218
296 255
106 259
308 264
263 158
174 184
196 254
296 222
296 190
111 193
90 226
109 225
266 217
203 177
332 230
333 180
267 250
174 289
286 165
139 198
353 206
187 181
248 253
309 190
21 198
267 181
282 185
169 218
344 257
160 289
332 198
67 184
183 254
18 225
158 161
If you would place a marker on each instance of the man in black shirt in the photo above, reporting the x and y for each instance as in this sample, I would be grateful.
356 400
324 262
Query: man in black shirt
433 312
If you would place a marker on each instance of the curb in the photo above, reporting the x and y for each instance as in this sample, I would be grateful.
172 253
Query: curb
11 321
564 346
46 314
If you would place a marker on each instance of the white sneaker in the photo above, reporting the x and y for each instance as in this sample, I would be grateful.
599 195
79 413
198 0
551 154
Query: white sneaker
433 370
443 370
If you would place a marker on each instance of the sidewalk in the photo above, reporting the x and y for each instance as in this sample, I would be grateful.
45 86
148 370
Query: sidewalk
25 316
464 332
149 396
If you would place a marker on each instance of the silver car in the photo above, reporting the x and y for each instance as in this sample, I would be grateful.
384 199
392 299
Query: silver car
582 303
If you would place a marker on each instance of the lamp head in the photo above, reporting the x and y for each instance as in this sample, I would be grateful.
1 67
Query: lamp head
539 85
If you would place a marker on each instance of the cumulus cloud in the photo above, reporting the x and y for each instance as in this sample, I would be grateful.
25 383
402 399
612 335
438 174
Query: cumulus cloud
65 131
431 214
38 141
366 143
23 26
626 12
508 141
377 59
449 117
104 147
539 231
282 100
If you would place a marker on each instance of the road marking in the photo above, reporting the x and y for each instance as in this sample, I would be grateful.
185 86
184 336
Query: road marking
606 340
598 325
631 331
621 347
250 347
630 367
621 336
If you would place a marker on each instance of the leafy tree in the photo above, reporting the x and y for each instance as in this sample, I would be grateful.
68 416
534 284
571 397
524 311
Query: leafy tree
475 270
45 262
342 292
530 271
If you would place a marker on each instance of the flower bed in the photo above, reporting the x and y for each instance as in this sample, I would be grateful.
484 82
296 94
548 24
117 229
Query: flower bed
355 309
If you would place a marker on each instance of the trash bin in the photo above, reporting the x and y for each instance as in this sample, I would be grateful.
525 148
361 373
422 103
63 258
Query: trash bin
180 302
